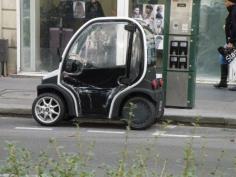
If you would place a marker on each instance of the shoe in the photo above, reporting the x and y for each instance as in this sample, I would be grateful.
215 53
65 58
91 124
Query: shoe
221 85
223 77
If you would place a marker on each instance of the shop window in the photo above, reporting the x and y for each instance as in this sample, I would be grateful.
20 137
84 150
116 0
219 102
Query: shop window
25 35
211 36
50 26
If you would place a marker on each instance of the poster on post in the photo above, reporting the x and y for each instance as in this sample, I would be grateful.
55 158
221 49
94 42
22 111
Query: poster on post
152 16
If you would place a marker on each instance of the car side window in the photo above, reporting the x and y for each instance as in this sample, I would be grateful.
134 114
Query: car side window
137 55
151 48
102 45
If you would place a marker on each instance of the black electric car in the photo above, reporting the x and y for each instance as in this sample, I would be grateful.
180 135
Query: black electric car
108 64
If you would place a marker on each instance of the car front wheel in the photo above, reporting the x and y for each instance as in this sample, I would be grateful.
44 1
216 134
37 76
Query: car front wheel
48 109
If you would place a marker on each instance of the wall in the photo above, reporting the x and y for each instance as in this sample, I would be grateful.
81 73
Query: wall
8 31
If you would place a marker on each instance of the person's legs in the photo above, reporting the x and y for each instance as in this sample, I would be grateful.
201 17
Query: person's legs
223 74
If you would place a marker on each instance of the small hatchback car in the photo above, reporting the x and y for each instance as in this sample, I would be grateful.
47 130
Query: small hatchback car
108 64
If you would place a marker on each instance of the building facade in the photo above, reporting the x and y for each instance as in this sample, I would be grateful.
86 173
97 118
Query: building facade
38 30
8 30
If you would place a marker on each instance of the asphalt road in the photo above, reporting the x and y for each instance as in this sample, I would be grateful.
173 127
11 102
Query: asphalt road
214 148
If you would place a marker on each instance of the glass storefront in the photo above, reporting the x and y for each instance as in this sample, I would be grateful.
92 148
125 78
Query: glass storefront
211 36
25 35
47 26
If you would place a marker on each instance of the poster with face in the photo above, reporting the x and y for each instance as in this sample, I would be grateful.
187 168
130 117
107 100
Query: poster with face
159 19
137 12
153 15
159 42
79 9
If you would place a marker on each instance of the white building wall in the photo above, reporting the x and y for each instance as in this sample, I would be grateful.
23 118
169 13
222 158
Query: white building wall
8 30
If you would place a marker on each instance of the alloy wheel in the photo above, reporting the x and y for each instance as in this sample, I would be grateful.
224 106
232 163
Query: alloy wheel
47 110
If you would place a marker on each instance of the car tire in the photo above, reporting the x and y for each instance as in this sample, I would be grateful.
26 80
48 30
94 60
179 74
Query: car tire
139 113
48 109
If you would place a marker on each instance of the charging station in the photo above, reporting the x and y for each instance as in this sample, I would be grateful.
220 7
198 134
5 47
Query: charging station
180 44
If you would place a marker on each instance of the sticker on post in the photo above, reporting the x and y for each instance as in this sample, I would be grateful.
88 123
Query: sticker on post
185 27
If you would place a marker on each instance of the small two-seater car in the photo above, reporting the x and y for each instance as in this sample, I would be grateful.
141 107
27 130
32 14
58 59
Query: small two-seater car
107 71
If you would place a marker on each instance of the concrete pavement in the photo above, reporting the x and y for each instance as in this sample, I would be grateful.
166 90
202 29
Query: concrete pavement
17 95
213 106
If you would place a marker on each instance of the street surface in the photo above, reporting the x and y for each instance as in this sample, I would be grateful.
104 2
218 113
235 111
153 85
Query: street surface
214 148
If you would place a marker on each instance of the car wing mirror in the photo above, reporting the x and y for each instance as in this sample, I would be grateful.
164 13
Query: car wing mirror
130 27
73 66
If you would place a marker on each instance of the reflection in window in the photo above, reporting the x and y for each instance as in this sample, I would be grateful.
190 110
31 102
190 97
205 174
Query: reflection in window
137 57
151 48
101 45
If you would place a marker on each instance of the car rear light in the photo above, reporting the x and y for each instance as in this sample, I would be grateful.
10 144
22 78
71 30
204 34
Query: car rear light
157 83
154 84
161 82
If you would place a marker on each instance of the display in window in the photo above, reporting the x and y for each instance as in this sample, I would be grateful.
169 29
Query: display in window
93 9
52 23
79 9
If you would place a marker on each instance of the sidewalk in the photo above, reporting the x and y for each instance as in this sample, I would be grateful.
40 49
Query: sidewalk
17 95
213 106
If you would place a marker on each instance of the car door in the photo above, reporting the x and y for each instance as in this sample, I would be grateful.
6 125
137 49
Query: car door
94 63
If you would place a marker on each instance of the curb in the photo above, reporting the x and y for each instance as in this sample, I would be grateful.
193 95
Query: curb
201 120
176 119
15 112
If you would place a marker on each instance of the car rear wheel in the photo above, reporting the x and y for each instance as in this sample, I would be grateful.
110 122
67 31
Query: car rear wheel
139 112
48 109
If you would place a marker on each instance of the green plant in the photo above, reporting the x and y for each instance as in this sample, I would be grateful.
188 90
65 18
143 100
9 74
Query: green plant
189 158
18 162
138 166
67 164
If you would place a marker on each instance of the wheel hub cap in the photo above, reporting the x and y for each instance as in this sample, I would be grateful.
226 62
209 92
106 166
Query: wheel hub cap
47 109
